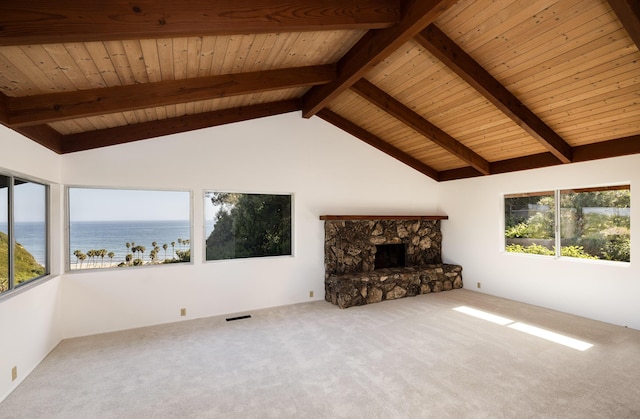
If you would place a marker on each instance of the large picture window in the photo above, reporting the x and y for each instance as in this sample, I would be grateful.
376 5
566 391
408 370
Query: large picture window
23 232
243 225
111 228
593 223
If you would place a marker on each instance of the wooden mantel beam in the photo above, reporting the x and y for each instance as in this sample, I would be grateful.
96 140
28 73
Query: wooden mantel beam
40 109
447 51
382 217
44 21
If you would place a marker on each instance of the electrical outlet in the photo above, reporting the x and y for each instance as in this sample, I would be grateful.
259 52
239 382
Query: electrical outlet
479 285
183 312
310 294
14 373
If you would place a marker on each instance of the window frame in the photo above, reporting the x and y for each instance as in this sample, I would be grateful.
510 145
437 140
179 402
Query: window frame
67 225
14 289
557 194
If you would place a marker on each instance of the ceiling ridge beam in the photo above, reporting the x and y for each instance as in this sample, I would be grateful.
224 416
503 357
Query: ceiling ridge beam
145 130
461 63
45 22
401 112
372 48
628 12
51 107
376 142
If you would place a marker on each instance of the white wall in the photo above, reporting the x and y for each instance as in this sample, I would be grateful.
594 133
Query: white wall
29 320
328 171
474 236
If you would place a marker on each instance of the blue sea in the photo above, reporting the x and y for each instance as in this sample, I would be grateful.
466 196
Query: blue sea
110 235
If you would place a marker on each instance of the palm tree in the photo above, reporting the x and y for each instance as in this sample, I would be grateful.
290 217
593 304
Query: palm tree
180 243
173 249
77 253
141 249
111 255
102 253
128 258
165 246
90 254
82 257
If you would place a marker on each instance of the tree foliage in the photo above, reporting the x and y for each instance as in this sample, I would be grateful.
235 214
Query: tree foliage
250 225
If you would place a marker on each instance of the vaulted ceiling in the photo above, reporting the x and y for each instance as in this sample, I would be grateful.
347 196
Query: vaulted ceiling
451 88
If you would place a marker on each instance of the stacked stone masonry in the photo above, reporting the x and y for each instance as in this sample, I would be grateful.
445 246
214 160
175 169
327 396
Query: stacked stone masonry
347 290
350 247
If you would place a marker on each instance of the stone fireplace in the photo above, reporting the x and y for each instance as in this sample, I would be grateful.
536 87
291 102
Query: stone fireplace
373 258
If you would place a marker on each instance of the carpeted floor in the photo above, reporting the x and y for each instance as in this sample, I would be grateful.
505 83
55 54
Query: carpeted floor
410 358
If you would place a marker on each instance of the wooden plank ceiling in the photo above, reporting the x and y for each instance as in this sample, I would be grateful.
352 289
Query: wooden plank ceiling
451 88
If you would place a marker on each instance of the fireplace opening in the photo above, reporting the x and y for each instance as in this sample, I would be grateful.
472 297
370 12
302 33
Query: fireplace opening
390 256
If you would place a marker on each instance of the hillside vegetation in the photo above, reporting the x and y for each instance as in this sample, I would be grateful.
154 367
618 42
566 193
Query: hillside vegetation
26 266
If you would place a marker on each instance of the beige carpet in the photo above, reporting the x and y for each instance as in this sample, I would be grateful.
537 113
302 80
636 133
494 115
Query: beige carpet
409 358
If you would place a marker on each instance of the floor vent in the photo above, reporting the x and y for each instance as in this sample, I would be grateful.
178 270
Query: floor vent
230 319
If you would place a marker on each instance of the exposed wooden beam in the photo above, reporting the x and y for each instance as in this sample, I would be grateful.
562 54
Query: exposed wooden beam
504 166
45 22
39 109
447 51
534 161
392 106
459 173
43 135
373 48
376 142
4 109
612 148
145 130
628 12
607 149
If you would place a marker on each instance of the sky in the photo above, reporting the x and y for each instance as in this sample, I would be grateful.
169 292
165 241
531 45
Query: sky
29 203
128 205
98 204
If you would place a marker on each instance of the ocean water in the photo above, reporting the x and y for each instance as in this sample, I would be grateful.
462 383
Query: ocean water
113 236
110 235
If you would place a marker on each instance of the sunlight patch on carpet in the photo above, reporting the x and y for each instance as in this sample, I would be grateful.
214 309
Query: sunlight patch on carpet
525 328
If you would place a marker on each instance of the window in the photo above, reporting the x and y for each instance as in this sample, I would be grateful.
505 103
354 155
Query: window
247 225
594 223
23 232
111 228
530 223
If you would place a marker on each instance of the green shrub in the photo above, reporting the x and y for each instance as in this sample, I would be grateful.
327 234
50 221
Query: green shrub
575 252
535 249
618 249
518 231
